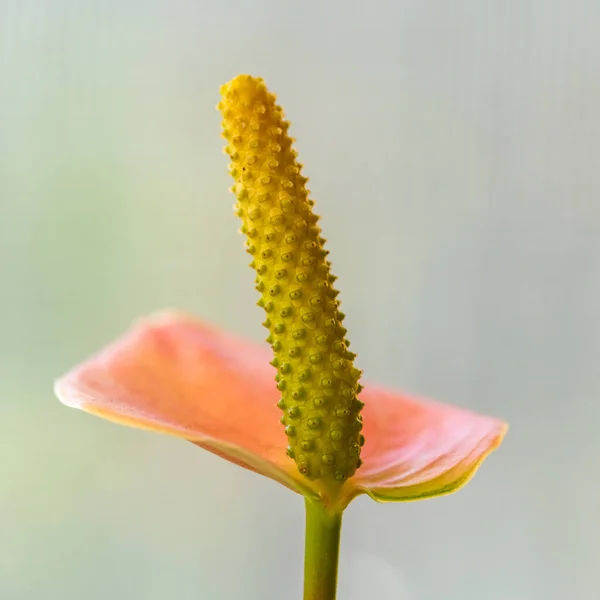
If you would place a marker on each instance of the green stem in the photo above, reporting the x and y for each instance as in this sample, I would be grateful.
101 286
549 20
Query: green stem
321 551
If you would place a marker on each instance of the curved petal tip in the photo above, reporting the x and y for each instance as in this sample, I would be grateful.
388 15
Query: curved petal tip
420 448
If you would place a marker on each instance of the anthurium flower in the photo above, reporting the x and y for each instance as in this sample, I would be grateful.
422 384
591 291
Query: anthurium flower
177 375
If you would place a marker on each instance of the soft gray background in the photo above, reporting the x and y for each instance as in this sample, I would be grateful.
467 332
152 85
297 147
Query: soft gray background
453 152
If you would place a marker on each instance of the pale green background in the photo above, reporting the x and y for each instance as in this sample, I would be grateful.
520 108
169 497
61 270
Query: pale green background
453 150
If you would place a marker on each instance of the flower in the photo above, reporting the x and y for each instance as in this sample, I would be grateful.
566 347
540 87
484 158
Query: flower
174 374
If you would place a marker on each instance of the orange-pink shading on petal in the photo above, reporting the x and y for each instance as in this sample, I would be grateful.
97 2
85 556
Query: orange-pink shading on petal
417 448
173 374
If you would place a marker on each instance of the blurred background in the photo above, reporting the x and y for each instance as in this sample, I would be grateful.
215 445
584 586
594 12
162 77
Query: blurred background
453 153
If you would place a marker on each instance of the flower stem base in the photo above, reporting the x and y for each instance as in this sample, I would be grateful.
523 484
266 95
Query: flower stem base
321 552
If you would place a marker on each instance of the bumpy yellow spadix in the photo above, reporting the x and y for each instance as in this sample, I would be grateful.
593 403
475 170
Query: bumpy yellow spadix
316 376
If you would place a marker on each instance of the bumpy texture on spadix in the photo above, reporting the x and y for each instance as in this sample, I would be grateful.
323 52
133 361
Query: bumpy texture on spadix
316 376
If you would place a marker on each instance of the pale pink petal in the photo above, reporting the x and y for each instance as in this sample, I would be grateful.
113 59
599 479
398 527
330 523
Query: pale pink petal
174 374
